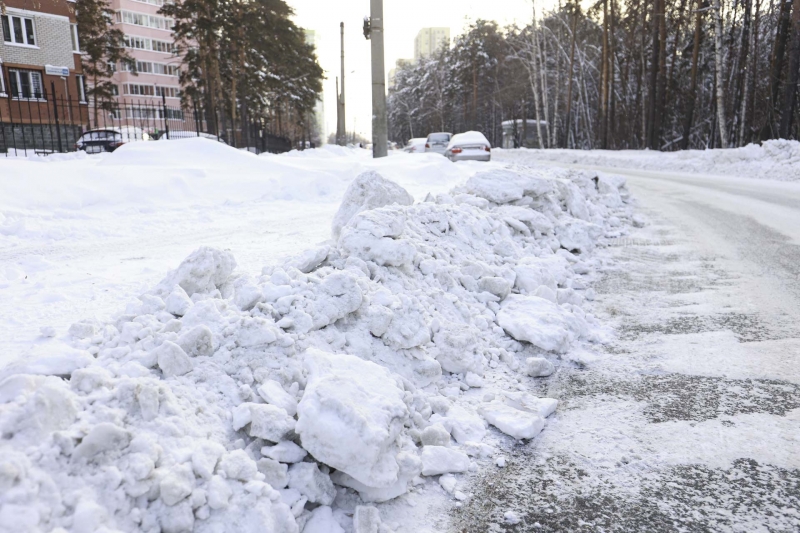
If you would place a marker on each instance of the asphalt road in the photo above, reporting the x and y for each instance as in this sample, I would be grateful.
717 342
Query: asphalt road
690 419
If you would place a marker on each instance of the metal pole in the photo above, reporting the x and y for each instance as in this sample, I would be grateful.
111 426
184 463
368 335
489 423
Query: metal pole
164 107
380 134
55 113
341 124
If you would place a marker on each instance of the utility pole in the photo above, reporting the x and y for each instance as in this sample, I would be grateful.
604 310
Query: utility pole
373 30
341 128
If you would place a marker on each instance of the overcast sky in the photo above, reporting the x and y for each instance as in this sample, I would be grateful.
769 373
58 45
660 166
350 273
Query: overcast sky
404 18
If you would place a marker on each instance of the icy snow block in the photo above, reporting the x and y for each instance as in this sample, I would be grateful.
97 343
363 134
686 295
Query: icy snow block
455 345
366 519
435 435
274 472
313 484
410 467
177 484
238 465
540 322
172 360
544 407
203 271
500 287
440 460
350 416
368 191
374 236
270 422
178 302
512 422
273 393
101 438
285 452
577 235
322 521
504 186
310 259
197 341
537 367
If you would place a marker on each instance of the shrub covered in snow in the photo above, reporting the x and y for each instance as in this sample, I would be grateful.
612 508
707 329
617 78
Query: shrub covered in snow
223 402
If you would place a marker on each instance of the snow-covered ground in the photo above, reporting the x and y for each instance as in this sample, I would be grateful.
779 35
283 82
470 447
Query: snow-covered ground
277 379
772 160
197 338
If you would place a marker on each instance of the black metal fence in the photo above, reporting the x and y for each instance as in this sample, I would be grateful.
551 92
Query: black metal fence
42 124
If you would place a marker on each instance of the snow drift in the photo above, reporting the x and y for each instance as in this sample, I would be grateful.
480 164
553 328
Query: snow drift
776 159
223 401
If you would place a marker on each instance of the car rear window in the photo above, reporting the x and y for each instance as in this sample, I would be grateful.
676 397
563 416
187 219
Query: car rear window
439 137
100 135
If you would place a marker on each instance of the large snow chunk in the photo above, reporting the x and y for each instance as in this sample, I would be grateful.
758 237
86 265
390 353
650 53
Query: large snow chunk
523 401
368 191
273 393
538 367
203 271
513 422
540 322
578 235
285 452
504 186
440 460
373 236
313 484
101 438
350 416
322 521
270 422
410 467
366 519
172 360
455 344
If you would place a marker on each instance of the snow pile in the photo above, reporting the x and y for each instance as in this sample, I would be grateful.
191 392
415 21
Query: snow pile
777 159
222 401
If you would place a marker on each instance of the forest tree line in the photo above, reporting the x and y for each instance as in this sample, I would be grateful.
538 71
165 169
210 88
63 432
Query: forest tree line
622 74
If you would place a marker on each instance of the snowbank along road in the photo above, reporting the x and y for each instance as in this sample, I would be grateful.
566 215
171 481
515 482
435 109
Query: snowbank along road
690 419
351 387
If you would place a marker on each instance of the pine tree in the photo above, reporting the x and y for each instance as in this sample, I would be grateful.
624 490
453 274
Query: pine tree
102 48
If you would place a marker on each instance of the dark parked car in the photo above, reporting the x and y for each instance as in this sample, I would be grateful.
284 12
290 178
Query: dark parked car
109 139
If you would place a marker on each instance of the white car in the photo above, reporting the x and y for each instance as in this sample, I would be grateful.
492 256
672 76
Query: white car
415 146
469 146
437 142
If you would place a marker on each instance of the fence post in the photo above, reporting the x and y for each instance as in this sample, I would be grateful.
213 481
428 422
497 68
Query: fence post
11 118
196 117
164 108
55 112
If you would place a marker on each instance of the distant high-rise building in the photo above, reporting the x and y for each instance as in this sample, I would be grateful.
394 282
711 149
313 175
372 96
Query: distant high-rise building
430 40
400 63
319 110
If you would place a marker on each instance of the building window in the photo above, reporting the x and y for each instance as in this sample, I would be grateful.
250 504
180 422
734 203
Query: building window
2 81
135 89
18 30
144 43
141 19
26 83
115 90
73 30
168 92
81 81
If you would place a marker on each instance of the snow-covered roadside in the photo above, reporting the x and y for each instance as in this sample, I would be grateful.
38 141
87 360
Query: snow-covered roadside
81 234
775 160
215 401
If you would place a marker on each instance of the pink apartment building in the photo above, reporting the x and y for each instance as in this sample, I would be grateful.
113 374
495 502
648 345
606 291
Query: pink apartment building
148 38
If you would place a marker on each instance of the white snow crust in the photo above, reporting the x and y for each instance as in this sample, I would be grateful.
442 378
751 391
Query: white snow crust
229 401
775 159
